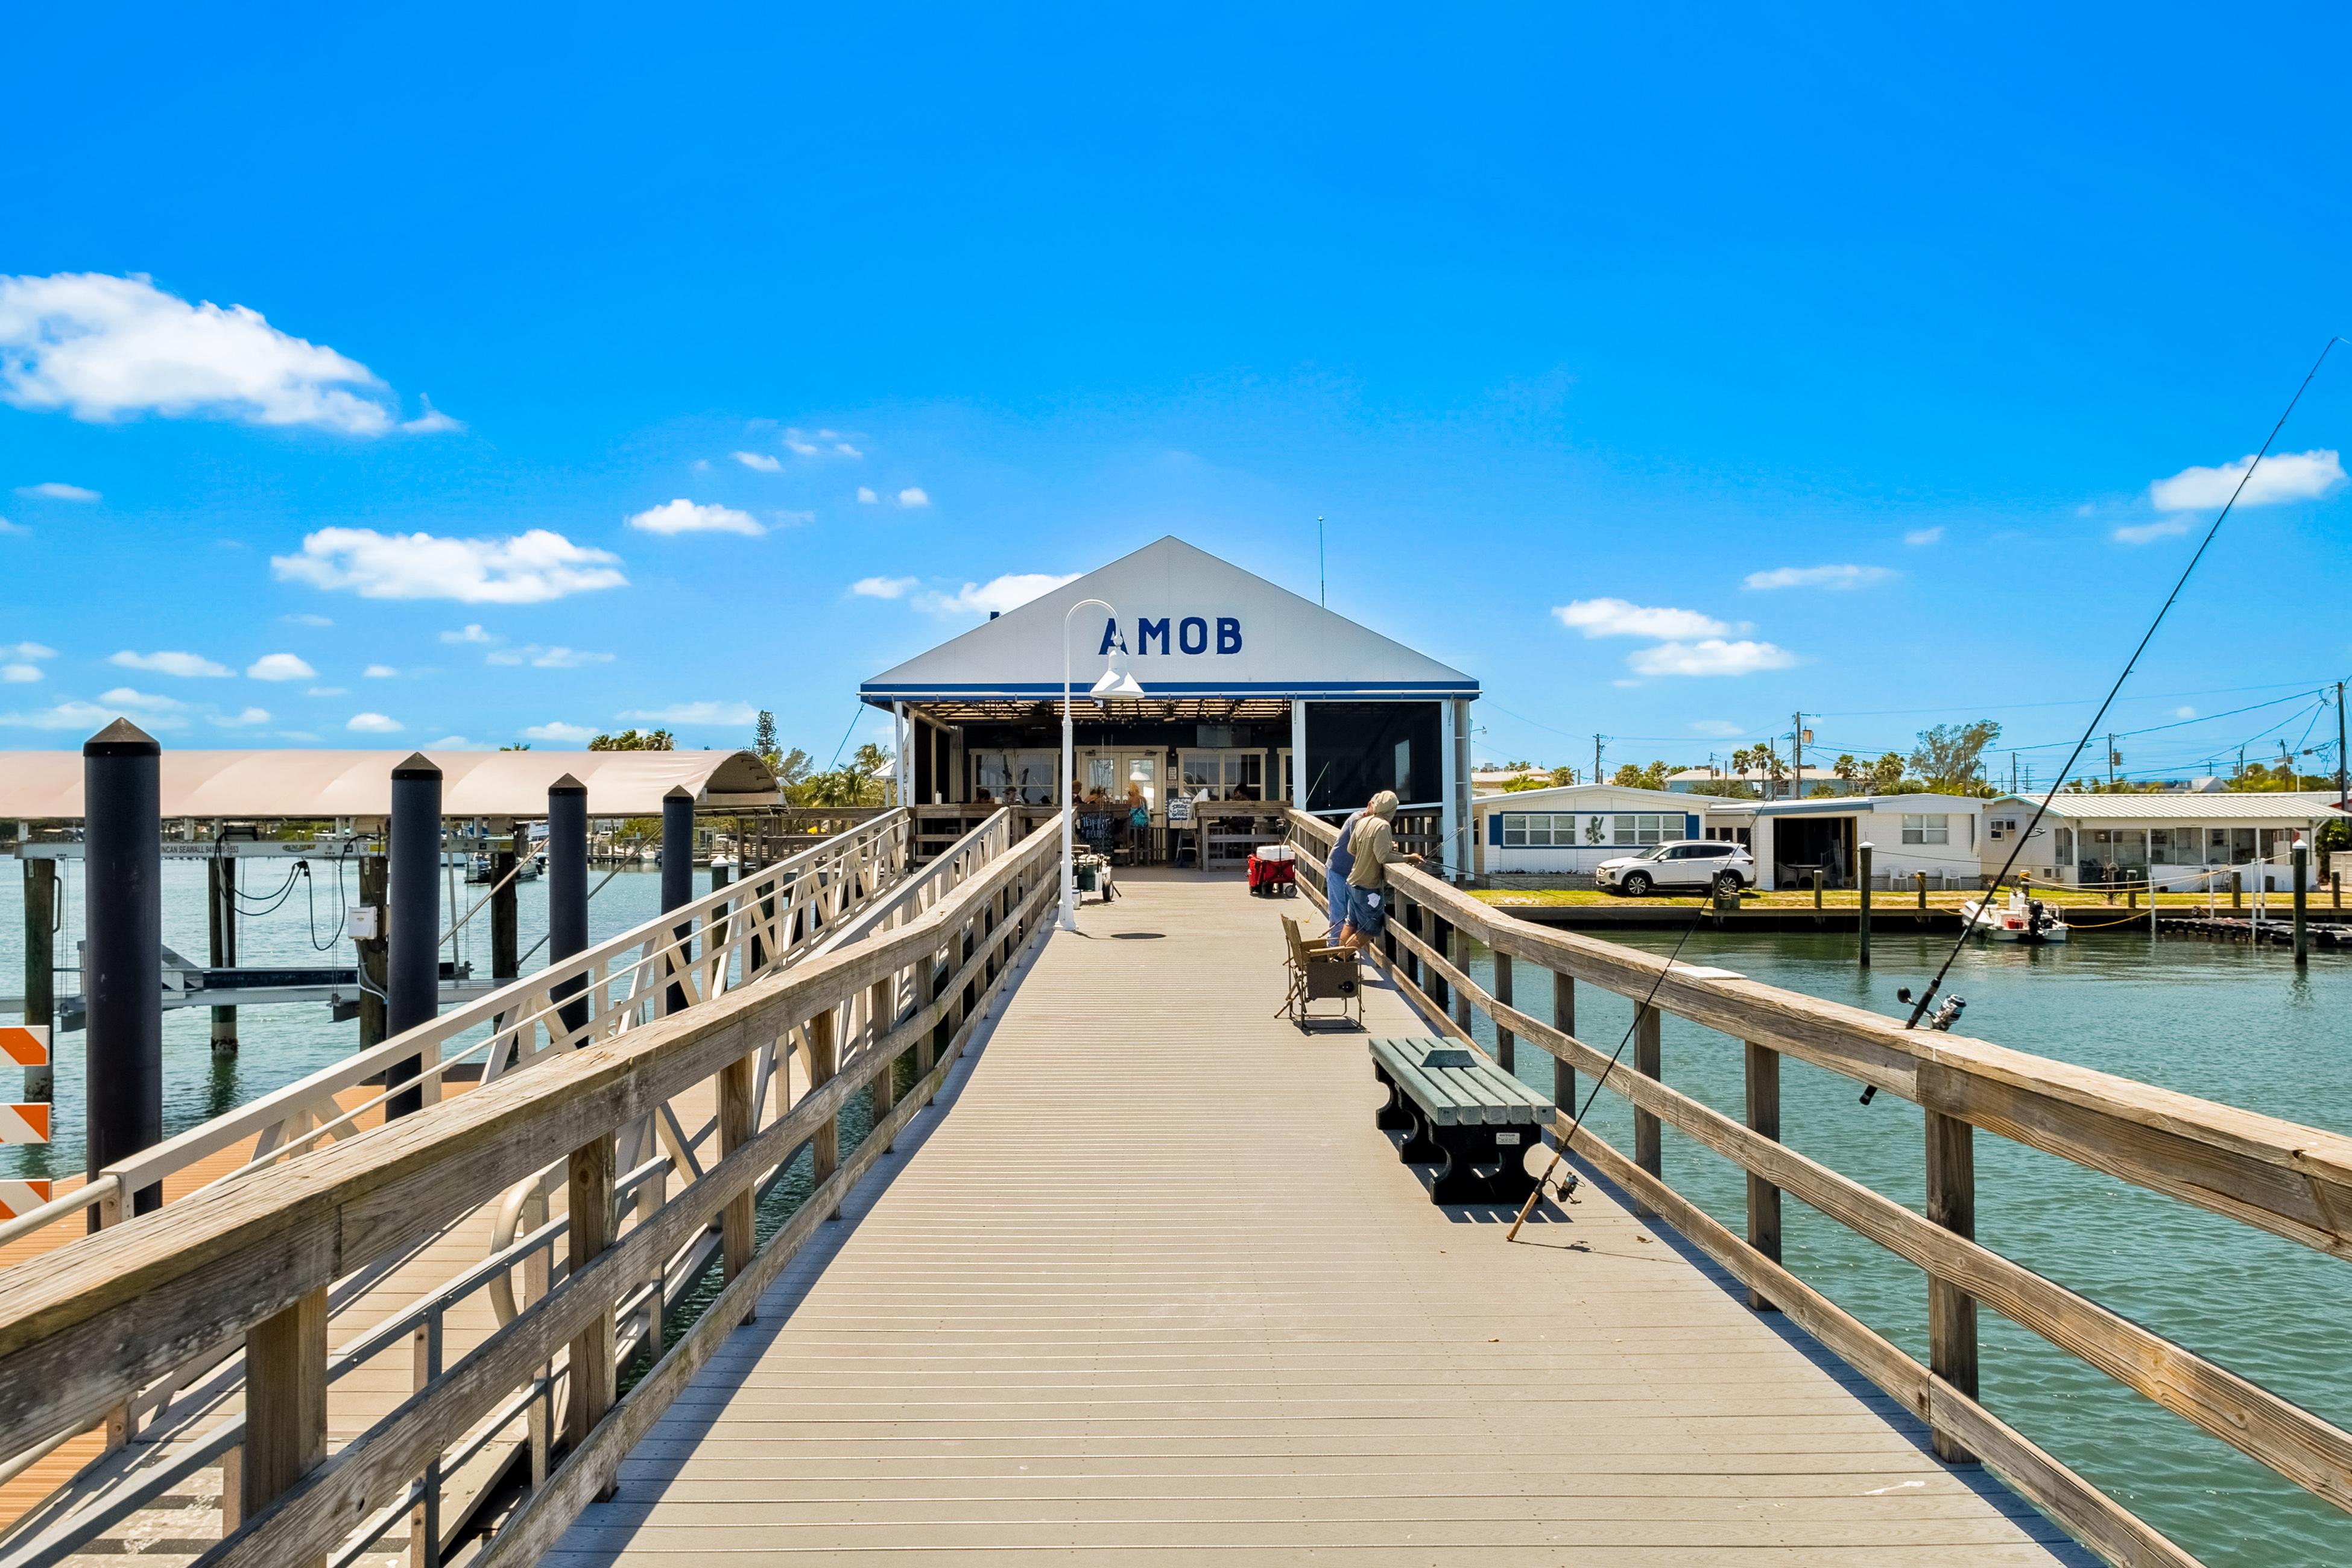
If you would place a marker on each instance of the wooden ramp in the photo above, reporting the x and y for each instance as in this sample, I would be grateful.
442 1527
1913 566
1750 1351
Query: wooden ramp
1154 1288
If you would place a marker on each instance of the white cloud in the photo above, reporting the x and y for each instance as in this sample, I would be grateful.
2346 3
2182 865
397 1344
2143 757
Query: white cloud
539 657
2283 476
2147 532
52 490
20 670
306 620
1709 656
8 527
682 516
432 421
373 724
471 632
697 713
241 720
26 650
327 691
792 519
759 460
999 594
2184 712
140 701
167 662
74 715
1719 728
19 674
378 672
1919 536
559 731
524 569
1619 618
281 666
820 444
865 496
913 496
884 587
103 348
1837 579
451 743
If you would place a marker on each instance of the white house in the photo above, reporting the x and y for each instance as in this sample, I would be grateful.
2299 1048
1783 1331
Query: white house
2173 840
1569 829
1938 834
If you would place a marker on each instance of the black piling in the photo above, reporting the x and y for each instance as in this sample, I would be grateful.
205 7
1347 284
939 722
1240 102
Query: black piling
567 888
677 877
122 950
413 959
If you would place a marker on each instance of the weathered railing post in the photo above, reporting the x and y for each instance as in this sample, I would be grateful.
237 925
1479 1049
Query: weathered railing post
1563 1018
592 1349
738 1095
1763 1197
1506 1043
823 1060
1441 942
928 980
882 1008
285 1403
1646 1141
1952 1312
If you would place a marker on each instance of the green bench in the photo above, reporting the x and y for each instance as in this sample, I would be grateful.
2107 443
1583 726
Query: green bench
1461 1112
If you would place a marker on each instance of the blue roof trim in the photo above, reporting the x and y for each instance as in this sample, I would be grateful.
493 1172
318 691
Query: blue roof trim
871 691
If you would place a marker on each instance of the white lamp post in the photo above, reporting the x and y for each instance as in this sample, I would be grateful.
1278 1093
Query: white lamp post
1114 682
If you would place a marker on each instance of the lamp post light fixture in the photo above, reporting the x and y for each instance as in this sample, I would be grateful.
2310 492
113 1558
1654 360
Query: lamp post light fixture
1114 682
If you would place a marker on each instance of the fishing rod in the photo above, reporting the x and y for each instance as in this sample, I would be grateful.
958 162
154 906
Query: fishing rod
1968 926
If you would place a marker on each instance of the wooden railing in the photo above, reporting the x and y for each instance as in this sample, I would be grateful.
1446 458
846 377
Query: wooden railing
2292 1181
251 1261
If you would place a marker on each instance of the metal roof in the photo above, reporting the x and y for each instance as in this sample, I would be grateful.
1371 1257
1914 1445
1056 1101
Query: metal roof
2180 806
1213 631
46 786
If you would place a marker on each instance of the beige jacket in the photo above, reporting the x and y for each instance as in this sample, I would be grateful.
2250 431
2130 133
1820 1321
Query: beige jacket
1374 844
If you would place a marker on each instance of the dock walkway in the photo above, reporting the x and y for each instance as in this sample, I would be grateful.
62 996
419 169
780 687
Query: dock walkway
1154 1287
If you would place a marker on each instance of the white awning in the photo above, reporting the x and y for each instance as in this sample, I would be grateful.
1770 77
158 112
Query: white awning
46 786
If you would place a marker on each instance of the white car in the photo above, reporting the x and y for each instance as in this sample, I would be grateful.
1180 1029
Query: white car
1680 863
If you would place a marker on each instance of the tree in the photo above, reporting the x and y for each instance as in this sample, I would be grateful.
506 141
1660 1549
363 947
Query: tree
1732 789
1563 776
518 746
630 741
1652 777
763 738
791 767
1950 757
1886 774
1517 786
1847 769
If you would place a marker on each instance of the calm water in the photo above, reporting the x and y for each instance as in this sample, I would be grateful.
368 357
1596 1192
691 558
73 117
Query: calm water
2235 1025
2232 1024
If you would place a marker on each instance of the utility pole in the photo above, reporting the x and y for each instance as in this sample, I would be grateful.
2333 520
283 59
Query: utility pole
1596 757
2012 773
1322 583
1796 757
2110 759
2339 743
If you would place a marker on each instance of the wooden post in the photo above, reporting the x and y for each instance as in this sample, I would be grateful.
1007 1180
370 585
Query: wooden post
285 1403
1952 1312
41 911
220 898
2336 890
505 962
1505 1045
425 1518
927 990
1563 1018
1646 1141
881 1008
824 1147
376 885
1863 858
1919 879
738 1090
1763 1197
2237 890
2302 896
1441 939
591 1232
1817 894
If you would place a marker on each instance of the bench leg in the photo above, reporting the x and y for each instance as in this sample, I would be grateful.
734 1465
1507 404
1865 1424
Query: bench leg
1396 1115
1457 1179
1512 1181
1422 1145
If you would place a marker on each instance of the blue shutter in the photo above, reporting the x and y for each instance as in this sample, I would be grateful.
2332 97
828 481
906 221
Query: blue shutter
1693 830
1494 828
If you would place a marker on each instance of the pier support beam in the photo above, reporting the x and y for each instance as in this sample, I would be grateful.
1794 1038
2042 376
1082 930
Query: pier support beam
677 885
43 914
1506 1043
1763 1197
567 889
505 946
220 923
1563 1018
1952 1312
122 951
413 959
1647 1150
1863 857
2302 896
375 882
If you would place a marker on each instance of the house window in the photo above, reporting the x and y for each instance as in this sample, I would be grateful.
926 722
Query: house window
1926 827
2217 847
1624 822
1226 776
2160 846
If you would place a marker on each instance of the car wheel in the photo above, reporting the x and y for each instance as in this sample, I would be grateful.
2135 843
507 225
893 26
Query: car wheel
1726 883
1637 883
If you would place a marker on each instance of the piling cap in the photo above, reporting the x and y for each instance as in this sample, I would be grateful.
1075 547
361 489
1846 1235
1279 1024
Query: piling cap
567 784
678 792
122 739
417 766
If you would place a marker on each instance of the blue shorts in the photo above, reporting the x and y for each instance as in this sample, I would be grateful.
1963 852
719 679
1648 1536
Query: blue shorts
1336 899
1368 910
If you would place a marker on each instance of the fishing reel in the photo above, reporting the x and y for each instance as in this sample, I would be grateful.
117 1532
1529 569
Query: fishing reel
1946 1016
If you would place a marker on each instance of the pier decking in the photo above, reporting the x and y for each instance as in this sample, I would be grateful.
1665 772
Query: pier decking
1154 1287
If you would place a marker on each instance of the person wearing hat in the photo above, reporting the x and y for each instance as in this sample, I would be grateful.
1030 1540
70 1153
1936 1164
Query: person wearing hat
1372 843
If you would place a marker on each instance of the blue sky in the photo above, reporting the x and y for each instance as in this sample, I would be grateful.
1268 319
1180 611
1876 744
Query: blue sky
1583 332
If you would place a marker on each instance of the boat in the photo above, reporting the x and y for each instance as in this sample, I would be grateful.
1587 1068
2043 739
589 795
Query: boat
2019 918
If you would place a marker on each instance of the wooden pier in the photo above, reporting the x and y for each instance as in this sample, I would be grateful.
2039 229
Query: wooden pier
1126 1270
